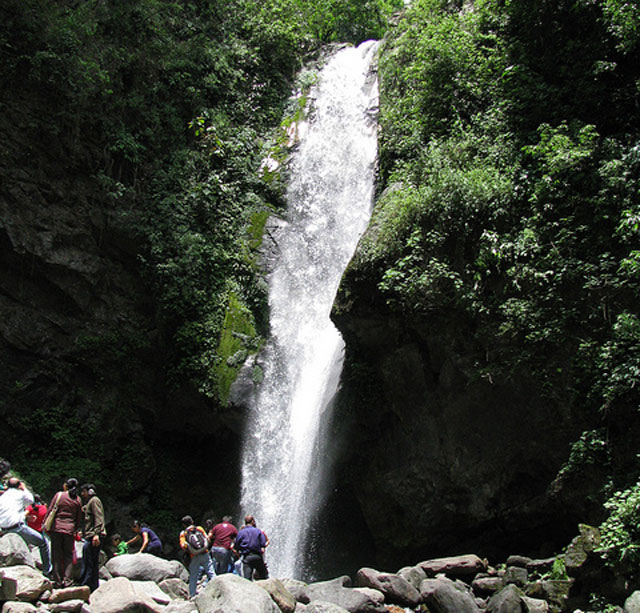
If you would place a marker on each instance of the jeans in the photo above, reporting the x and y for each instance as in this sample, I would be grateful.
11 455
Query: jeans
90 564
222 560
200 561
254 563
62 553
32 537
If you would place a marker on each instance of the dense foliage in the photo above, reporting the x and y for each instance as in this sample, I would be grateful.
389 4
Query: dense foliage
157 113
510 169
166 104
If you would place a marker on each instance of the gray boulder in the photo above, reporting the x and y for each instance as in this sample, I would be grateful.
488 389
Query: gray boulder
279 594
520 561
484 584
78 592
176 588
456 566
68 606
323 607
534 605
18 607
632 604
395 588
354 600
152 590
181 606
179 570
413 574
22 583
142 567
508 600
297 588
516 575
555 592
233 594
442 595
14 551
120 596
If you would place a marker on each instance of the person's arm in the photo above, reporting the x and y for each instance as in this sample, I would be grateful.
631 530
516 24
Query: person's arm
133 540
145 541
98 521
183 540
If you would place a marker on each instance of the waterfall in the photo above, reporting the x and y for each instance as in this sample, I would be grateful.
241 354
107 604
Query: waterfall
328 207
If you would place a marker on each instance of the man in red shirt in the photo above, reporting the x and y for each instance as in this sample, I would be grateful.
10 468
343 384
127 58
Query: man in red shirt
222 537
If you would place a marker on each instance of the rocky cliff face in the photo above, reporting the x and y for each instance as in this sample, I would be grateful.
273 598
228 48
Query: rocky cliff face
82 357
440 458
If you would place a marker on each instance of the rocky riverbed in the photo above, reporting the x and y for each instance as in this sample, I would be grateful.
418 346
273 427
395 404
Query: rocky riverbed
459 584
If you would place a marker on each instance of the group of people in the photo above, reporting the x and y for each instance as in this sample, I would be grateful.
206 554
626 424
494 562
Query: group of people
76 513
224 549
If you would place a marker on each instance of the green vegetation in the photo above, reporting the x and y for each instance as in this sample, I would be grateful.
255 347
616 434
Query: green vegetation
157 113
508 205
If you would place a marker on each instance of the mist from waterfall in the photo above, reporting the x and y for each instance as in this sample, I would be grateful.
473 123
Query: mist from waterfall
329 202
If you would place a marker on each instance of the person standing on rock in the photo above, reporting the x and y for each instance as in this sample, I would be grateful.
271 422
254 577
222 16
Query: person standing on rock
67 509
13 505
250 545
193 539
151 543
222 537
93 533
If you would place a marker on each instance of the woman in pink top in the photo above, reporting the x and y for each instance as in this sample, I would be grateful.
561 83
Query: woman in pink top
67 521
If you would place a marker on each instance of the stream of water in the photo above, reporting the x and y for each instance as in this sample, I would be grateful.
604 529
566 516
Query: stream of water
329 200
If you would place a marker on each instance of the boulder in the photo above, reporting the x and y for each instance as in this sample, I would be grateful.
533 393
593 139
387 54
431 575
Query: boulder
337 591
285 600
22 583
318 606
177 589
78 592
181 606
484 584
120 596
18 607
68 606
456 566
233 594
541 565
14 551
555 592
143 567
179 570
516 575
395 588
413 574
580 547
632 604
297 588
534 605
442 595
152 590
508 600
520 561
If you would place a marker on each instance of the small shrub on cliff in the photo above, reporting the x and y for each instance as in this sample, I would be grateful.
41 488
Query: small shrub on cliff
620 532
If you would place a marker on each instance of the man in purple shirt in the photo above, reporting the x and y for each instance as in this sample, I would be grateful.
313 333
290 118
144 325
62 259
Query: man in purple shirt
250 544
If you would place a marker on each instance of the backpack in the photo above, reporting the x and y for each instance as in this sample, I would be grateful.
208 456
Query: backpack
196 541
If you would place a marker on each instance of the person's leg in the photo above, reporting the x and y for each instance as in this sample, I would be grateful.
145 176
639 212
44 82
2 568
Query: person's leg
208 567
32 537
194 572
228 561
86 563
57 557
68 545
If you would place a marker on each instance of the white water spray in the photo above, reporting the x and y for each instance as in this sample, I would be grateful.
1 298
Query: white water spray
329 203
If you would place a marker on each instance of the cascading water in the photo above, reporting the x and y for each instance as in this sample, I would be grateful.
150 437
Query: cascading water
329 203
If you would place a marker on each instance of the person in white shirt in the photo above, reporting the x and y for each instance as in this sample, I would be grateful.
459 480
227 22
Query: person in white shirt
13 504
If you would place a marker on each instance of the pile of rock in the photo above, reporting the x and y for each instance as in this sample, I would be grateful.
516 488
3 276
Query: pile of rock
461 584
